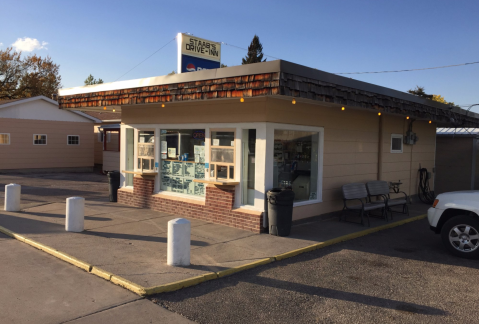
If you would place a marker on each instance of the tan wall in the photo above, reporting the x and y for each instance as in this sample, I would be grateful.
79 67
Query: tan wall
222 111
453 173
351 139
22 154
111 161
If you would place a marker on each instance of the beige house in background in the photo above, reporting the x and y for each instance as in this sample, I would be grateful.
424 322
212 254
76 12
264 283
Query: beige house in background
37 136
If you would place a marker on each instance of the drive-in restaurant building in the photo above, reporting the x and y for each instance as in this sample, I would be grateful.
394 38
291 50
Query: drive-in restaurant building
209 144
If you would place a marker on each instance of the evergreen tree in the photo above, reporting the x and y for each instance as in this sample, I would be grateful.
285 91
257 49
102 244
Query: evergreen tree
255 52
91 80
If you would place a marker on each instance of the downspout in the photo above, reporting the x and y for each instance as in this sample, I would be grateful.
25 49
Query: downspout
380 149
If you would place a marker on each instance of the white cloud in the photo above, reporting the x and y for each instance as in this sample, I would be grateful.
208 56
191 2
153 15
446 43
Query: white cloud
1 44
28 44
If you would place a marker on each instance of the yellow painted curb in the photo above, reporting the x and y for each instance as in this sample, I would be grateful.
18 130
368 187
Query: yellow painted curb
243 267
12 234
122 282
180 284
101 273
346 238
60 255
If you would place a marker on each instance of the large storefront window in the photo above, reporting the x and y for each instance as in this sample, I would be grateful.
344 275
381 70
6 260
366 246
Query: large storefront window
182 153
296 162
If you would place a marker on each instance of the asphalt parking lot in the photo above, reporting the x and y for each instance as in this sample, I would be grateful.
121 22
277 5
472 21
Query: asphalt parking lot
400 275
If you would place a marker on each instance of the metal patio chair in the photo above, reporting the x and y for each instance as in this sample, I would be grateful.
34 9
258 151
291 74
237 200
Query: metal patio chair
358 191
380 189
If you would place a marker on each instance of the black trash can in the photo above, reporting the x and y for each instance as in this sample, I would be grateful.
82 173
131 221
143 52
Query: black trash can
280 211
114 184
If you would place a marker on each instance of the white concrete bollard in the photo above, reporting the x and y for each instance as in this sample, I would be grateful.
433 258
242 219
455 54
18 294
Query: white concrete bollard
179 241
12 197
75 214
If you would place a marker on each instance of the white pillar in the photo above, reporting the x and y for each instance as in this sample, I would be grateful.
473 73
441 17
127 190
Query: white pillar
179 241
12 197
75 214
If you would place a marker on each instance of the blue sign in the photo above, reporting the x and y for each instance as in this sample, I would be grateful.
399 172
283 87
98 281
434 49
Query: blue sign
156 164
192 64
207 165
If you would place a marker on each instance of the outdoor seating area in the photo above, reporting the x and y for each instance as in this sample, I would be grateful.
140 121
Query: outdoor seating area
365 193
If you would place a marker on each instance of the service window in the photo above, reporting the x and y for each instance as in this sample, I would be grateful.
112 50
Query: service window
396 143
39 139
4 139
73 140
222 154
146 150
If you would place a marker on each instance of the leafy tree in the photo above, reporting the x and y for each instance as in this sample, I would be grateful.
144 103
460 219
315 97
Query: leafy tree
419 91
255 52
27 77
223 65
90 80
172 73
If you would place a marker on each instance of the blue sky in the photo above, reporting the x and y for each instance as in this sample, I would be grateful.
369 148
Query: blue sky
107 38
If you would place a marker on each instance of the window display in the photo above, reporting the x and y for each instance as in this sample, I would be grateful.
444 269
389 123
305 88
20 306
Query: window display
146 150
296 162
182 161
222 155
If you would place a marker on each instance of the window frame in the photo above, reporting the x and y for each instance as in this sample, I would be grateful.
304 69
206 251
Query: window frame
46 139
68 140
228 165
401 137
9 140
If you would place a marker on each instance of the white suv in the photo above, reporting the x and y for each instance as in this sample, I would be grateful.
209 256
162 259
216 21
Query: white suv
455 216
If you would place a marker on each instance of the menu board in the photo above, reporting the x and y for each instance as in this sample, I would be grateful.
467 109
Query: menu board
188 186
166 168
189 170
177 176
199 189
176 184
166 183
177 169
199 171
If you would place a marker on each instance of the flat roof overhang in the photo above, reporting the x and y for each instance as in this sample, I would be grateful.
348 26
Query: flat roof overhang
276 78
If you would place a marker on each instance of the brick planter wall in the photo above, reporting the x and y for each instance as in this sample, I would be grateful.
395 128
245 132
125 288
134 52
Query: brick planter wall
218 207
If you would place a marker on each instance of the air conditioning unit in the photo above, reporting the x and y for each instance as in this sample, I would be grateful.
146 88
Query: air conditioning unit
410 138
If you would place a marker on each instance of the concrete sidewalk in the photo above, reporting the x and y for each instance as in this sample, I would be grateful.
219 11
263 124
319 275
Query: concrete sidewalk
131 242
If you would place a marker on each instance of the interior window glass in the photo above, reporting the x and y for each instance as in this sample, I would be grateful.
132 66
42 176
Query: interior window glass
296 162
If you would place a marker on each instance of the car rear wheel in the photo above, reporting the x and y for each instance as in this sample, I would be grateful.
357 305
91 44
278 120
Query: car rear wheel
460 235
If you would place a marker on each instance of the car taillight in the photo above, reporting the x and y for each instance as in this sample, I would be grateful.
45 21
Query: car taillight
435 203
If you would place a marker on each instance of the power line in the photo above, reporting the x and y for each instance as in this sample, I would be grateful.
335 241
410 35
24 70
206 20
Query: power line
430 68
146 58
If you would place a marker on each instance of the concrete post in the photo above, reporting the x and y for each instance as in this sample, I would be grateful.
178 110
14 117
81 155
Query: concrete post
179 241
75 214
12 197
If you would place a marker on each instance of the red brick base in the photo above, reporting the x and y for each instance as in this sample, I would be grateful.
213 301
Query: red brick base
217 209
